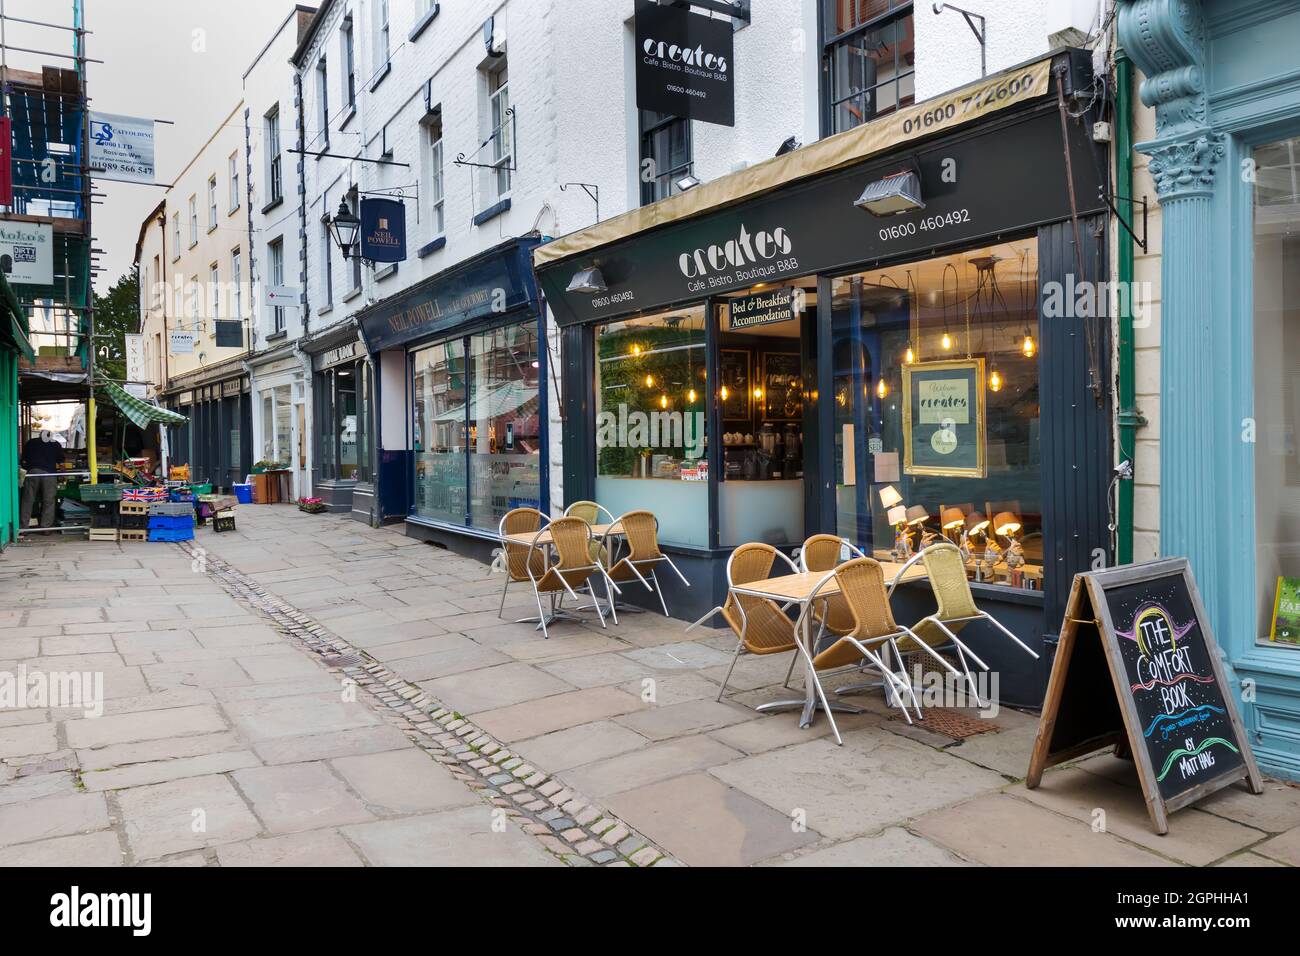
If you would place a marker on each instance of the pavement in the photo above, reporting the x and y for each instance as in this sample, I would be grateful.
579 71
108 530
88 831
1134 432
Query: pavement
306 690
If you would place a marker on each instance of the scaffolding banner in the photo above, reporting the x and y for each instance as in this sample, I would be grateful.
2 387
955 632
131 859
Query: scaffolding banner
121 147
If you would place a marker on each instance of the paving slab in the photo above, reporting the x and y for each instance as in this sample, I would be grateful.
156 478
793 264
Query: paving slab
165 748
892 847
181 815
875 780
158 771
403 781
462 837
688 717
674 688
683 655
1001 830
88 850
706 823
1194 836
574 746
1284 848
494 687
598 670
27 739
466 655
649 765
301 796
52 816
537 717
149 725
313 848
260 720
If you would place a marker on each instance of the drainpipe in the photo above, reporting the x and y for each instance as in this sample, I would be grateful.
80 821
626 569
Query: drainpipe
1129 418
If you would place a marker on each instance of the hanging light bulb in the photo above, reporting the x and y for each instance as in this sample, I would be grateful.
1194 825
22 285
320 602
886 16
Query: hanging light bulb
758 393
723 393
946 341
882 389
690 396
910 356
636 349
1028 346
663 401
649 381
995 381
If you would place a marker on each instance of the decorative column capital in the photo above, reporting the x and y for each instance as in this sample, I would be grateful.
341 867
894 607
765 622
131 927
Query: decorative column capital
1184 167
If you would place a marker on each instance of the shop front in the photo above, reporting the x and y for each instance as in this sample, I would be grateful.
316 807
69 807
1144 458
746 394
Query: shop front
866 337
343 416
217 443
461 367
280 430
1221 77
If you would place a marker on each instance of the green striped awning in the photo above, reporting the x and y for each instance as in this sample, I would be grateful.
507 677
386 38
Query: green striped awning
139 411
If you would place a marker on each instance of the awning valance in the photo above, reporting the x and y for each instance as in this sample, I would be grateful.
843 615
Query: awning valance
140 412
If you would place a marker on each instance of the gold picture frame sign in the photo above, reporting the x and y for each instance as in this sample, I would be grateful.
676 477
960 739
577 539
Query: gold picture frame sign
966 438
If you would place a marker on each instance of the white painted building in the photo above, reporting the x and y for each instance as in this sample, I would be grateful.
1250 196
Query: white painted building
280 373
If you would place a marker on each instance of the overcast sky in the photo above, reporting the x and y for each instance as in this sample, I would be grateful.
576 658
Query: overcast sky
179 60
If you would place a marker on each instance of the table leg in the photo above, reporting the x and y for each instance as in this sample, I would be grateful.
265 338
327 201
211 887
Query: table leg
809 703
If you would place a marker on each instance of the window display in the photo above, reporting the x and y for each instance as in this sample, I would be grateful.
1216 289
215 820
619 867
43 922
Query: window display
650 421
439 432
936 410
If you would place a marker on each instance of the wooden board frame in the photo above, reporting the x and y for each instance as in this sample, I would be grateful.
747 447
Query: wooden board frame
1087 594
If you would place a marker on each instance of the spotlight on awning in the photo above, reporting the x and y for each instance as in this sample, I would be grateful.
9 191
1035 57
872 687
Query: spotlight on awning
892 195
789 146
686 182
588 281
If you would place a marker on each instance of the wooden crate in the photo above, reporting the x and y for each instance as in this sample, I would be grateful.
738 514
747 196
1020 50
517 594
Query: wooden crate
134 535
103 534
133 508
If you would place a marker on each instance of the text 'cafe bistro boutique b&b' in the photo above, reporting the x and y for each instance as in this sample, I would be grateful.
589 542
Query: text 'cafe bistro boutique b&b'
852 338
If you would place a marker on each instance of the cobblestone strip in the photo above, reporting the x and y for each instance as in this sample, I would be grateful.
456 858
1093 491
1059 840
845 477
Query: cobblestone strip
566 823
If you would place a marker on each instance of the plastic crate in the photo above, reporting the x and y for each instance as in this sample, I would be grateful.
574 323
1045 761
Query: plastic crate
171 508
165 534
133 522
171 522
101 492
224 521
100 521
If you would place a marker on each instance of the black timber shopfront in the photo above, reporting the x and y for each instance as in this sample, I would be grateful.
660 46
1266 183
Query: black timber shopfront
461 367
342 391
217 442
762 359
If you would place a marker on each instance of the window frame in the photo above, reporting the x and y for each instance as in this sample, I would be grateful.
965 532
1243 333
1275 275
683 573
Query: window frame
899 10
236 282
502 157
233 183
274 171
194 220
212 202
275 276
645 151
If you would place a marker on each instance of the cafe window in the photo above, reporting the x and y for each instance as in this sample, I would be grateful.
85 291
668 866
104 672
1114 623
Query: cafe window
1277 391
665 154
650 421
478 426
868 60
936 410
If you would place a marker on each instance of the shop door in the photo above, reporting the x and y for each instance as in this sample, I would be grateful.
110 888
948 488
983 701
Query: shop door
301 480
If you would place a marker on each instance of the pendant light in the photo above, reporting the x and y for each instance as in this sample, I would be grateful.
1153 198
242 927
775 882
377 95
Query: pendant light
1028 347
913 319
723 393
946 341
690 396
882 388
995 380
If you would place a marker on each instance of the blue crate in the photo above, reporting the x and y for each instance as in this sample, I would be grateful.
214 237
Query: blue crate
171 522
172 535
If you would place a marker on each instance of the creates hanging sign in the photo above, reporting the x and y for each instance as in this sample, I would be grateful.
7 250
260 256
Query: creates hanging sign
383 229
684 64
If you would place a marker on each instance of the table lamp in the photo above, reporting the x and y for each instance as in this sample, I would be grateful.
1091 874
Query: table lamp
889 497
1006 524
951 519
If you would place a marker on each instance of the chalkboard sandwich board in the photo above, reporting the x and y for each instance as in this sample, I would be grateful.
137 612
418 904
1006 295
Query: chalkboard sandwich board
1138 669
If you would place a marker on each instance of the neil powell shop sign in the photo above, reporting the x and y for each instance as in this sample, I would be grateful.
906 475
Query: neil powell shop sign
683 64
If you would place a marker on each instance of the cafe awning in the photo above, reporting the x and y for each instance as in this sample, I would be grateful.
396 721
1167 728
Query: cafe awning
140 412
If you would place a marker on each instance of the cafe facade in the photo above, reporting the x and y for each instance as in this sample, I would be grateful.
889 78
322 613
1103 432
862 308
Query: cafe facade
871 336
459 366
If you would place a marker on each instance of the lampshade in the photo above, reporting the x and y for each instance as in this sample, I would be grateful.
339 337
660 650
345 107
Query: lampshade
889 497
917 514
1006 523
897 515
952 518
976 523
344 227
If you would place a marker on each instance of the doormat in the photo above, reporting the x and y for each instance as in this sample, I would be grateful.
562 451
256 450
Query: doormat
952 723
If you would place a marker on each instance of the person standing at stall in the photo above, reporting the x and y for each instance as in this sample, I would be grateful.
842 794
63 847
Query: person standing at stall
42 456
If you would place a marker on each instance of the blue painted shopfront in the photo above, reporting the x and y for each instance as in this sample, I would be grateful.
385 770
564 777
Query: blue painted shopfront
1224 79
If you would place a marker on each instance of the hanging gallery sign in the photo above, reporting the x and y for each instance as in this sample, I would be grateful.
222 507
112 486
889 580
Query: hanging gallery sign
181 342
684 64
943 418
122 147
383 229
27 252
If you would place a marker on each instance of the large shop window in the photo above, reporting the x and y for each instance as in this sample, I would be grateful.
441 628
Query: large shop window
869 60
478 427
936 392
650 422
1277 392
342 412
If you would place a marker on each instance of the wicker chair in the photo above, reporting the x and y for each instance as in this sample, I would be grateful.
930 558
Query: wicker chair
760 624
952 593
862 583
570 571
518 558
641 531
593 514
